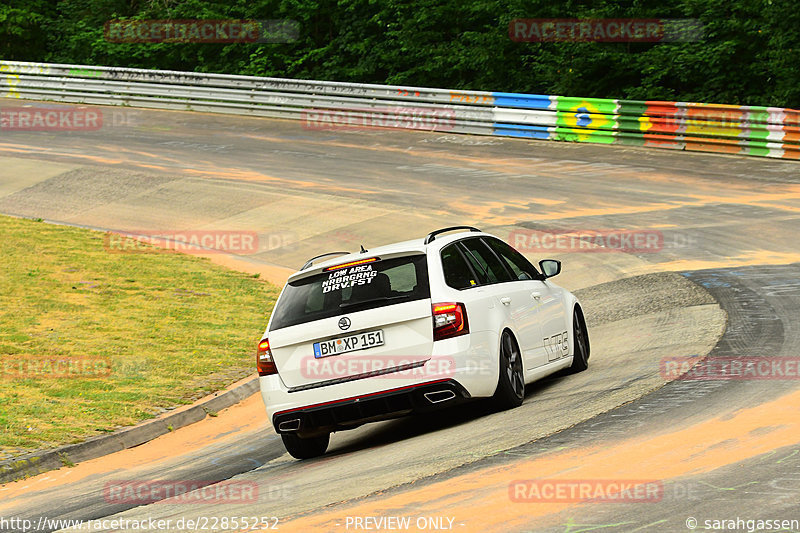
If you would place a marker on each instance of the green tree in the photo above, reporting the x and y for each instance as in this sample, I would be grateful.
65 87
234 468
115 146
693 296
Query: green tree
749 52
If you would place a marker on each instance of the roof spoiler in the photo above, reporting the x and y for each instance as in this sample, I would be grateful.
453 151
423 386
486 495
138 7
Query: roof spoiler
311 261
432 235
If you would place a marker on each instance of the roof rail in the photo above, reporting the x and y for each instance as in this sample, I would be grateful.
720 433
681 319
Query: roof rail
311 261
432 235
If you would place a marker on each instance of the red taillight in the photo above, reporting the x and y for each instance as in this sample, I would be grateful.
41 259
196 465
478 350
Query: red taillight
351 264
264 362
449 320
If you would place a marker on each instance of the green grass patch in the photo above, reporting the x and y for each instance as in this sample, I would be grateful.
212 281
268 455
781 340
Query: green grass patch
169 327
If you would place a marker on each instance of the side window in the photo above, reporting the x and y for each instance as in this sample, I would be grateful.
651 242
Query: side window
521 267
457 273
485 261
478 270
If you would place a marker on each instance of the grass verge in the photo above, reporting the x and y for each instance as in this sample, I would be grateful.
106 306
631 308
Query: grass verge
91 340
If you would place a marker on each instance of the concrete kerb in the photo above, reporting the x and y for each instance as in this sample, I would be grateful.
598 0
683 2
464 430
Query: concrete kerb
41 461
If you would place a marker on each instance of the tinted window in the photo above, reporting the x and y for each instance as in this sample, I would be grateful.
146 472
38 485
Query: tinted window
357 288
480 271
485 261
516 262
457 273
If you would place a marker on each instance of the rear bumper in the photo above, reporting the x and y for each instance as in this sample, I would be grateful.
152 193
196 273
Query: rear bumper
467 364
348 413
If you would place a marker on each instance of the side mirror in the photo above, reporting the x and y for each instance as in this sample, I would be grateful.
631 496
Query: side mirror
550 267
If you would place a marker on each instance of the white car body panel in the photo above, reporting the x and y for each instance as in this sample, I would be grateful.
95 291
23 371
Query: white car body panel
406 329
538 313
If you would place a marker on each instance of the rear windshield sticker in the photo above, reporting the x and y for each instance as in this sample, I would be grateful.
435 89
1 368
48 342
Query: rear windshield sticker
341 279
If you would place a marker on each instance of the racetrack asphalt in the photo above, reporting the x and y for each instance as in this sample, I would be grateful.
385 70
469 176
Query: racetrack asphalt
727 262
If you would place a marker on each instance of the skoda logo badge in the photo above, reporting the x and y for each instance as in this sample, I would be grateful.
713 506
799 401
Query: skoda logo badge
344 323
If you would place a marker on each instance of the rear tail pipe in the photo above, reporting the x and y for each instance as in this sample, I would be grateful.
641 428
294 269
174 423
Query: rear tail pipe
289 425
439 396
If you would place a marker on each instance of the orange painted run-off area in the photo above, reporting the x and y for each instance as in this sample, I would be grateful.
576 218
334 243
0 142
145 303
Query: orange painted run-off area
480 500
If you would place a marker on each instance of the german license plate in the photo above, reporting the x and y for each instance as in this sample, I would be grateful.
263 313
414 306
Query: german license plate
350 343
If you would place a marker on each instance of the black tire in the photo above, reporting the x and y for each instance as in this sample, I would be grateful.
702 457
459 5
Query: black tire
511 383
305 448
580 359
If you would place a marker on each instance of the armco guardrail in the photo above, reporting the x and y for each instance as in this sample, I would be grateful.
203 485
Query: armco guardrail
748 130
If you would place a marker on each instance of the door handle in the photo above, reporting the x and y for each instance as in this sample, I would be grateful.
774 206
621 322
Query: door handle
505 300
536 295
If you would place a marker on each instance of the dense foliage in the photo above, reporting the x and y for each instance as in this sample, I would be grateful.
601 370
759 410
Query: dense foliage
750 52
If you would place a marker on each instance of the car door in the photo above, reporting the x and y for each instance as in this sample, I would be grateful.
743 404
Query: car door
555 332
513 295
546 300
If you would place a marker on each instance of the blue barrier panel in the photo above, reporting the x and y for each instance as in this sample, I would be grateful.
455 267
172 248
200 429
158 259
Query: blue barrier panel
522 101
519 130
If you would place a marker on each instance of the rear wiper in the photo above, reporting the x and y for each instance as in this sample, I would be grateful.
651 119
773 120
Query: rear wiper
370 301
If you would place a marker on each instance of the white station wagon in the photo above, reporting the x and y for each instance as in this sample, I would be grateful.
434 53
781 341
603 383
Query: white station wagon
409 327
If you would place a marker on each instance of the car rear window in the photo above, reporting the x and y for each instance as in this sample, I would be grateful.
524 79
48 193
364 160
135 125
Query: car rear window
356 288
